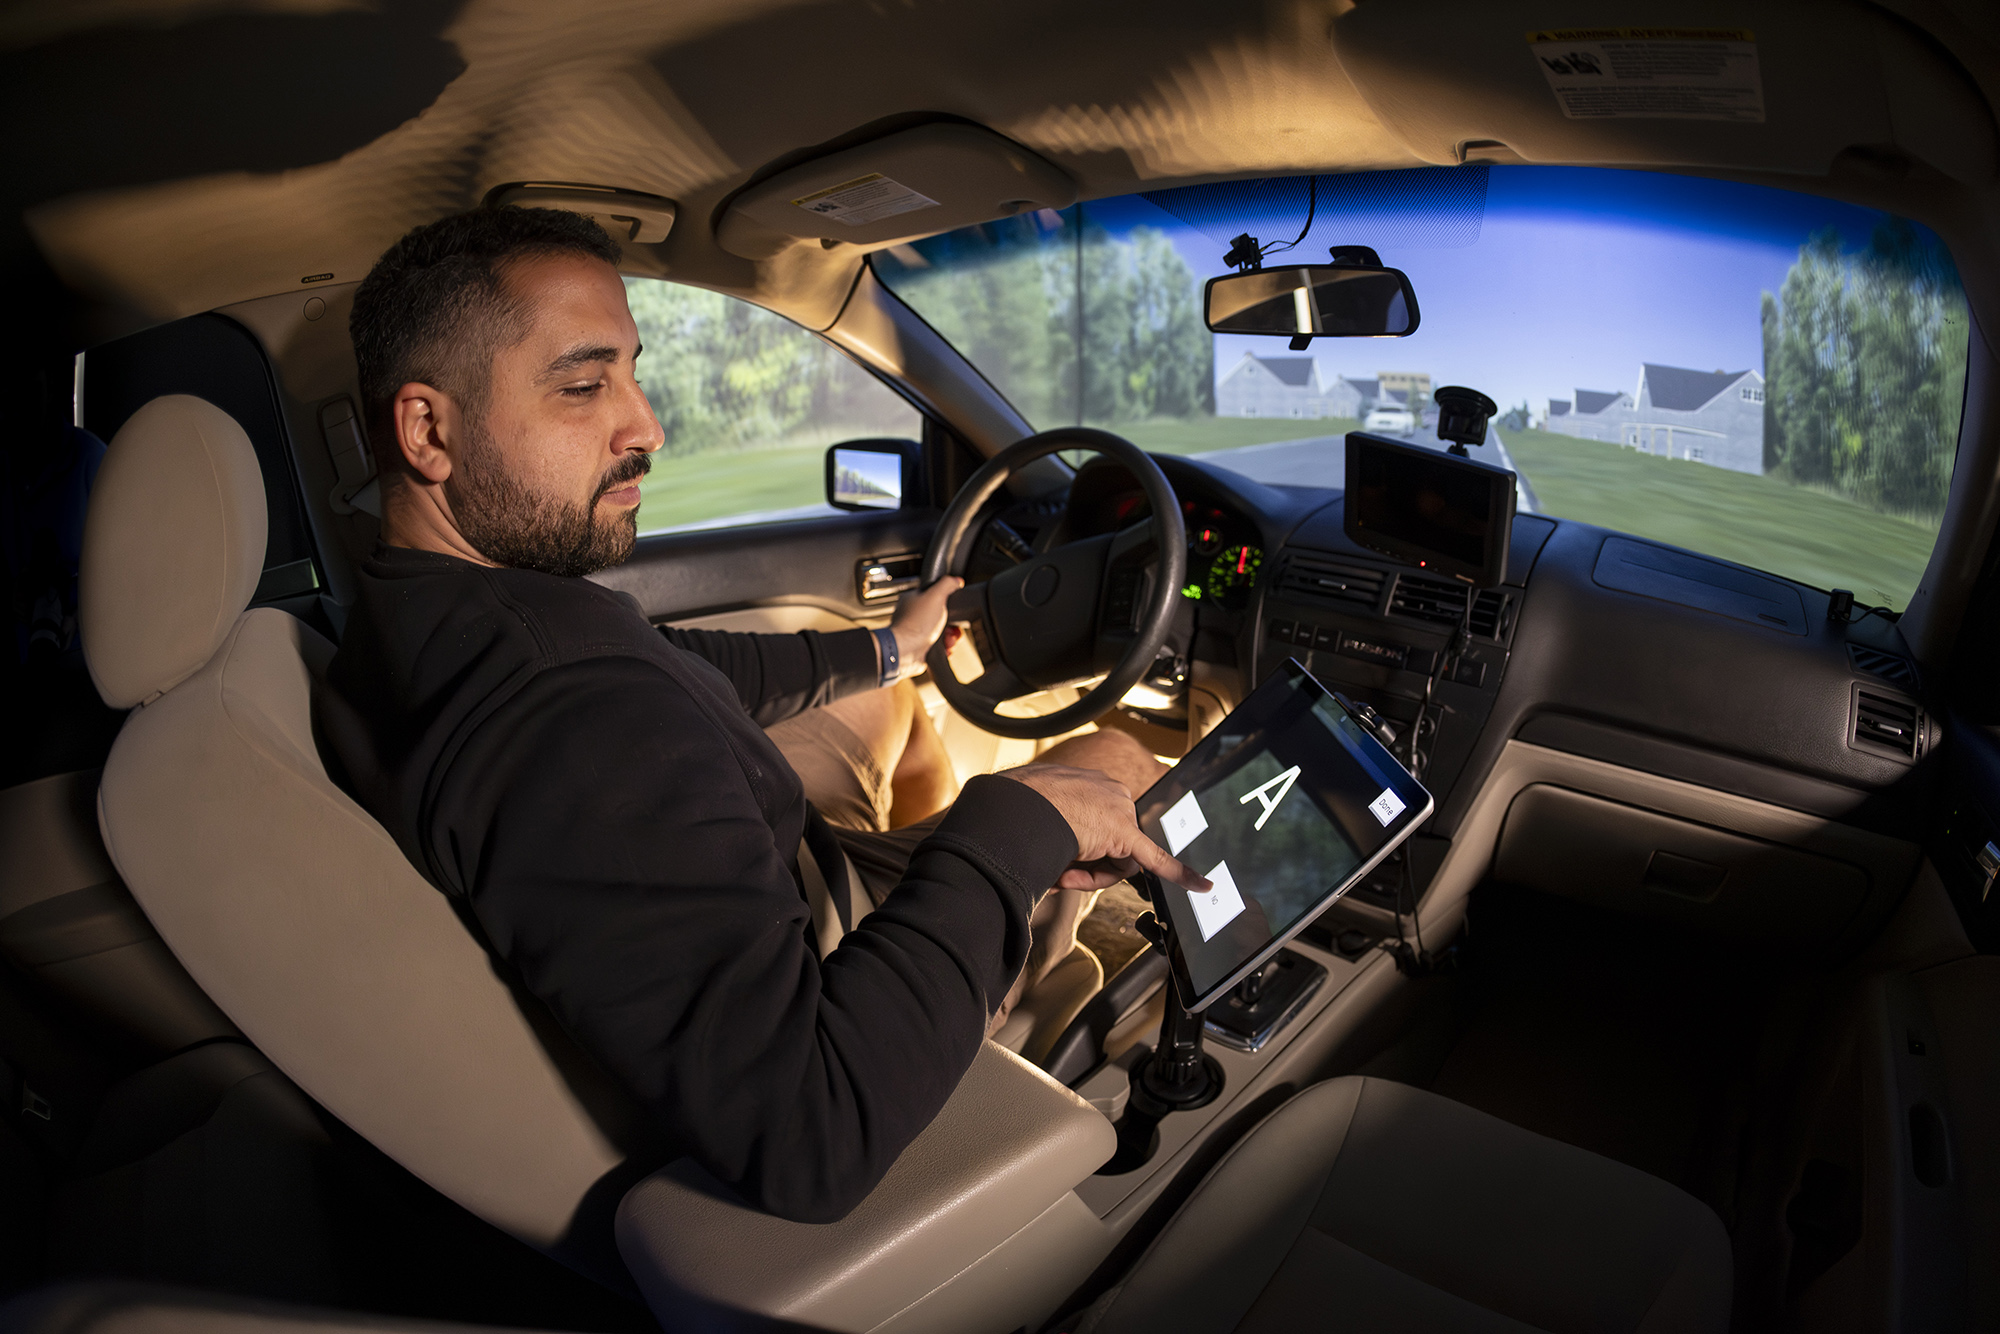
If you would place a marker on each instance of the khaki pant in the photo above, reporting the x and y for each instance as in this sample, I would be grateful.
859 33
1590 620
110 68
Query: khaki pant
850 781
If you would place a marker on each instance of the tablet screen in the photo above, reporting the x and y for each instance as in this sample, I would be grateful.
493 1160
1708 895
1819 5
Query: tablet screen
1284 806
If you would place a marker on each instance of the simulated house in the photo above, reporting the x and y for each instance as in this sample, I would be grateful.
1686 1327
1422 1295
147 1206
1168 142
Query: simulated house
1712 417
1290 387
1405 386
1272 387
1591 415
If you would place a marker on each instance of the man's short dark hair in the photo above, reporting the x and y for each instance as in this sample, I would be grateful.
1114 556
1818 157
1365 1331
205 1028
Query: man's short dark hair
434 308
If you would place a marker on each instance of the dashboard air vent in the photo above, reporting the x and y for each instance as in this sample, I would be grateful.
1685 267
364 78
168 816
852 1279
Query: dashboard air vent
1424 599
1888 666
1491 611
1328 579
1883 722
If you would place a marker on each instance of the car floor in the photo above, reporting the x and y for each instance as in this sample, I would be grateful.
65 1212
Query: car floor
1613 1034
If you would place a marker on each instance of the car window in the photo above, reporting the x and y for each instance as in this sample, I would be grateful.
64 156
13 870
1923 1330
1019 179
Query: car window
1769 377
749 402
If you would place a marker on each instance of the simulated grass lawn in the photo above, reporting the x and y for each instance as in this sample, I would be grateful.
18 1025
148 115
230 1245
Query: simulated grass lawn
1818 539
691 488
714 484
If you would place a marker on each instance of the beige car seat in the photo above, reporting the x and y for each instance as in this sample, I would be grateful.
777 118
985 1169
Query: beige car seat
291 907
1367 1205
300 918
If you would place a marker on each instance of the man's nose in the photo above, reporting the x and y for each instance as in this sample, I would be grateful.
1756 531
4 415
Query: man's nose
639 429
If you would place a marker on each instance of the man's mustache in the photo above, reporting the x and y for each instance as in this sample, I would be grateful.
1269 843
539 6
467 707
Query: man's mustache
629 469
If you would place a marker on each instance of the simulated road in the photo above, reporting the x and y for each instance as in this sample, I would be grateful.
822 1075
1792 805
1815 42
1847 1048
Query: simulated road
1321 460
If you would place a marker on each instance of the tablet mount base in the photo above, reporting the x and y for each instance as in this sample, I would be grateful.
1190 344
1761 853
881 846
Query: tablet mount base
1177 1076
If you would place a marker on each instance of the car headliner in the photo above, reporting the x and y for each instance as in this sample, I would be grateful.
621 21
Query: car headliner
173 156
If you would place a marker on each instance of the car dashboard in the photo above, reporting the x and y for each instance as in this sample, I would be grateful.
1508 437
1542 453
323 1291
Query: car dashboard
1596 646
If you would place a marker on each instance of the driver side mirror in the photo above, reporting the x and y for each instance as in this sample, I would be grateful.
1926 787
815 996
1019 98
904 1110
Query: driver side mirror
1309 301
874 474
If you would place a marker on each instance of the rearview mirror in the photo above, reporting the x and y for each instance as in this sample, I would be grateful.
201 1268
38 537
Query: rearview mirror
1309 301
872 474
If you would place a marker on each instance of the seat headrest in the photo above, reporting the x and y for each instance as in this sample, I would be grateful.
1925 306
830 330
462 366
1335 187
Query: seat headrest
173 546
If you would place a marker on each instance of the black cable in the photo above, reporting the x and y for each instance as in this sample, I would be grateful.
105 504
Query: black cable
1454 649
1406 896
1312 207
1409 895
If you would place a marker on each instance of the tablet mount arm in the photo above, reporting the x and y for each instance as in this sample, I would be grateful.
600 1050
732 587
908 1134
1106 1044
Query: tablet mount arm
1178 1075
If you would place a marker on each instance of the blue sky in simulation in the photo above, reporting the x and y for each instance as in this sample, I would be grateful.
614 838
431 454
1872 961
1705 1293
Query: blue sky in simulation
1575 278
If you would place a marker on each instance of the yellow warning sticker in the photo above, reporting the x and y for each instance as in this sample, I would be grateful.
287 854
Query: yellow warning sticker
864 199
1652 73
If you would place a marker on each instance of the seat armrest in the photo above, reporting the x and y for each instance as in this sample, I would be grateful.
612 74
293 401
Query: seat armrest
1009 1143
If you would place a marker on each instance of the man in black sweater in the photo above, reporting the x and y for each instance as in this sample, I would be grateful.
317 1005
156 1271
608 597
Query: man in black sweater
603 796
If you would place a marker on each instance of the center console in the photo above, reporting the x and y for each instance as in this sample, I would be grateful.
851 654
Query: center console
1381 632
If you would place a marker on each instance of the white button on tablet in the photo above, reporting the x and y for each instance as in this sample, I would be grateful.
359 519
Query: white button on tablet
1183 823
1219 907
1386 807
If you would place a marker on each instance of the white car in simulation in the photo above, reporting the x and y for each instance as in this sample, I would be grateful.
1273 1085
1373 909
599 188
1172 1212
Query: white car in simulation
1396 421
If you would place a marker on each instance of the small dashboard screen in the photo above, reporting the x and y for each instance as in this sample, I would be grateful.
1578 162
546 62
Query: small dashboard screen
1282 807
1430 508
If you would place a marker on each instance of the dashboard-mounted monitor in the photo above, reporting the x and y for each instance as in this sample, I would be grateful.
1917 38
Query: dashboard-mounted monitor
1452 516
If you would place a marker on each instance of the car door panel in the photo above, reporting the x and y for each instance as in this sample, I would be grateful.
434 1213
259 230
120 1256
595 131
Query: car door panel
783 618
809 562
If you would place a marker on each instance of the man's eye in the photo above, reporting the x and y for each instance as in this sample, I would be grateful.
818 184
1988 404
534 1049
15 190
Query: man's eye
582 390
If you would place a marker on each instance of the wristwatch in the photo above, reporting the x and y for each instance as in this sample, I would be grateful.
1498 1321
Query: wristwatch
892 658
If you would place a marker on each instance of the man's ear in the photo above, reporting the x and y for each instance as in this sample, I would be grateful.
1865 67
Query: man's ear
427 431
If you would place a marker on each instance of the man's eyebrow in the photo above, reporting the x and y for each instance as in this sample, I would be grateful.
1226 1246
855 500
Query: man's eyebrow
581 356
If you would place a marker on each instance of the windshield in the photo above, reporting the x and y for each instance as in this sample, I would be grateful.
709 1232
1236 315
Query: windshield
1765 376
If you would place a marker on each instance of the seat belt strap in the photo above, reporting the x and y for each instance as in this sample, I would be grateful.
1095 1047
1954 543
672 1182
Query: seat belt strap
832 863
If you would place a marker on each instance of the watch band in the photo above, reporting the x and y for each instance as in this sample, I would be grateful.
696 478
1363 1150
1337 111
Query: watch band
892 663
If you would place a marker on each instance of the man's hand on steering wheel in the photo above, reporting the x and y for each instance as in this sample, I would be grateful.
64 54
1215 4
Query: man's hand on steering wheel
920 619
1094 608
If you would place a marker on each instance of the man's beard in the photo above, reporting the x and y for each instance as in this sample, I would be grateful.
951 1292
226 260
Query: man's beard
512 526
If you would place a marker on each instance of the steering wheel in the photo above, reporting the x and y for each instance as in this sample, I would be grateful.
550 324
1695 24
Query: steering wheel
1100 604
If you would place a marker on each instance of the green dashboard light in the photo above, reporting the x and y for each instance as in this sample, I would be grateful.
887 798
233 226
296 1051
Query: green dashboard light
1192 591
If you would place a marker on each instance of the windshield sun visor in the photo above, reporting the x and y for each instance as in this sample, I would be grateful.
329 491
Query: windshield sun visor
1751 95
916 182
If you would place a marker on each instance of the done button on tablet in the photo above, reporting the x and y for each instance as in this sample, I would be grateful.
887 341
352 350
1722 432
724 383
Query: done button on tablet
1386 807
1219 907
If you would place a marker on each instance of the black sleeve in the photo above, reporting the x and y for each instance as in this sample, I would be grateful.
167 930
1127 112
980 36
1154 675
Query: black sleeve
614 853
777 676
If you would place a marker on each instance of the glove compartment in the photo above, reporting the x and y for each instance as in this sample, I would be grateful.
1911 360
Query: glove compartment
1638 861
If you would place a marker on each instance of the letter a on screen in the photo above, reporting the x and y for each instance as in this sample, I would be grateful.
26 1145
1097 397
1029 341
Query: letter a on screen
1262 792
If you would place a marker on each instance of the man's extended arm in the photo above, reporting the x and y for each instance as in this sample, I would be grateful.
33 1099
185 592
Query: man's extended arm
777 676
614 849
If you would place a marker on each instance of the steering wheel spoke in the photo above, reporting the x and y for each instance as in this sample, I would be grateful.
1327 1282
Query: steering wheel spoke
999 684
1099 604
968 605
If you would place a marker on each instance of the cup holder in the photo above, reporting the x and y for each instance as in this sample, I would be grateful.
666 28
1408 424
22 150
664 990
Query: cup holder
1138 1141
